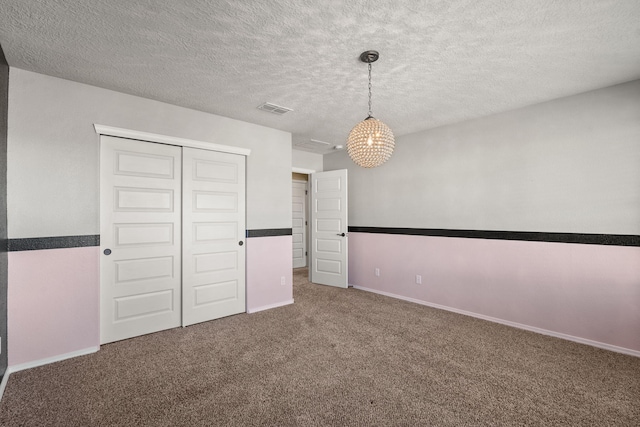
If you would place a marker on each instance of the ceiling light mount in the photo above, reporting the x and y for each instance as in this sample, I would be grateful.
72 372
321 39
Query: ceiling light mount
369 56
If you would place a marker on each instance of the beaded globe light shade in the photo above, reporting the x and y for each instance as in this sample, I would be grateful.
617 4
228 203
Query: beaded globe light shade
370 142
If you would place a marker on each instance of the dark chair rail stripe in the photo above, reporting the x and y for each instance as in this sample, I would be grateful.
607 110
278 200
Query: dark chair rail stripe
61 242
533 236
270 232
58 242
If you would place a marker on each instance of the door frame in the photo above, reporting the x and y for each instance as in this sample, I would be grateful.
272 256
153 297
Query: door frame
307 172
305 213
171 140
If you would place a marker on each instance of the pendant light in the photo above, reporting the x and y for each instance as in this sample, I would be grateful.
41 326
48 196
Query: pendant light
370 142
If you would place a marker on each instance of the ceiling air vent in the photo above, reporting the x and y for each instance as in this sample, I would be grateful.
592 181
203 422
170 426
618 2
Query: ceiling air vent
312 144
273 108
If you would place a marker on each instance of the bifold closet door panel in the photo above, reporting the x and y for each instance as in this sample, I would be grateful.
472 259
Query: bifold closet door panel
140 238
213 206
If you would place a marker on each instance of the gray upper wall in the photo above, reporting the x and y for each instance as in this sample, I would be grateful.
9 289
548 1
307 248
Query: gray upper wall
306 160
53 153
571 165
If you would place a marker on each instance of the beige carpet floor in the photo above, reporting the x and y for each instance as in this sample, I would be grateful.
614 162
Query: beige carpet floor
336 357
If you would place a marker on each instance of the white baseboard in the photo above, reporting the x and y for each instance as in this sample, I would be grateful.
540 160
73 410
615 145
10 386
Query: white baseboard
58 358
269 307
41 362
567 337
3 384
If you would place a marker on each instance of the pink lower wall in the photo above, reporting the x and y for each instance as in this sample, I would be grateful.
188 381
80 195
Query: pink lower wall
268 261
53 303
54 296
588 292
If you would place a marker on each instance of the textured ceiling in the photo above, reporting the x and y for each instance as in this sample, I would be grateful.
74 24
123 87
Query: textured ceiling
440 61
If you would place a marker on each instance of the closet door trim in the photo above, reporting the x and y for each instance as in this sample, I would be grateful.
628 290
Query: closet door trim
171 140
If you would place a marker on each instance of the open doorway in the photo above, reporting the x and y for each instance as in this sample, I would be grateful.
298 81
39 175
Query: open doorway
300 223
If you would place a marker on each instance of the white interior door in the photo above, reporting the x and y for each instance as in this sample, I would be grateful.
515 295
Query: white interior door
213 235
299 224
329 248
139 238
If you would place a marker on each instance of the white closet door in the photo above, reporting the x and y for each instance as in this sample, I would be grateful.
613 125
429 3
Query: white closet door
139 238
213 279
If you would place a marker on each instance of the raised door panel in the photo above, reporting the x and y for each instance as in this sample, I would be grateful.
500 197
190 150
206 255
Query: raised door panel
129 199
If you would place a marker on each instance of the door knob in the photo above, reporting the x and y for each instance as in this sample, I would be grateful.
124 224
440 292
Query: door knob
341 234
107 251
241 243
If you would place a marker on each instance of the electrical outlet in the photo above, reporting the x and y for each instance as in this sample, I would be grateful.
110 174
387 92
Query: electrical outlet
377 272
282 281
418 279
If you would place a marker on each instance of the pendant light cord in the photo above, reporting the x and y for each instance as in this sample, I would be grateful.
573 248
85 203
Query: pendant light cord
370 114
